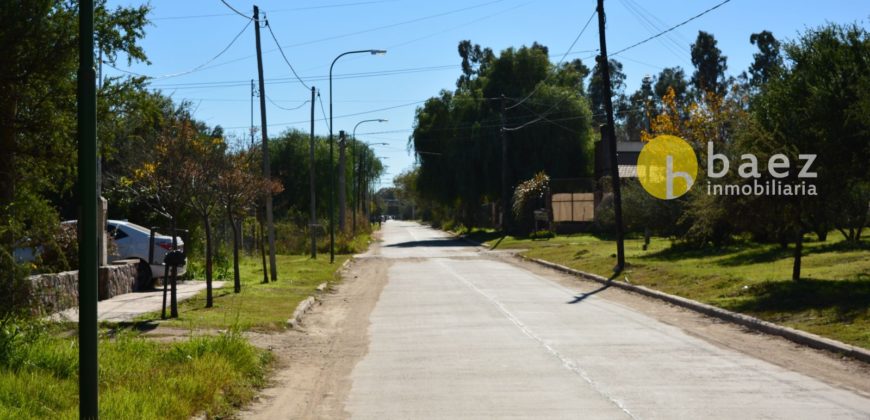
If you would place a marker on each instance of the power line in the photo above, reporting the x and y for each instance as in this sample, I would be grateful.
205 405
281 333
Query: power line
653 28
237 12
670 29
556 68
323 111
393 25
195 69
327 6
284 108
269 27
282 80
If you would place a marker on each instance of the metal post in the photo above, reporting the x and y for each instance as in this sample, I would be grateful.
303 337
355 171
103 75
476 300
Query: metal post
604 66
88 229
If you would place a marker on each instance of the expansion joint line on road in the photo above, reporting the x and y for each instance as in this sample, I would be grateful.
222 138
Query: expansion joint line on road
566 362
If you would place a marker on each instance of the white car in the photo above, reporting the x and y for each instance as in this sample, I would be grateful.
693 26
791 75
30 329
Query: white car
132 241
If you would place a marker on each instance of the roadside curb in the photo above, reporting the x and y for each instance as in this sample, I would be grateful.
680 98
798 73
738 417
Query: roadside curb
791 334
309 302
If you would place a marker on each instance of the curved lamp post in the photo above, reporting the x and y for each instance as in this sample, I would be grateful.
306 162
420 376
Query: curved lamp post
332 153
355 180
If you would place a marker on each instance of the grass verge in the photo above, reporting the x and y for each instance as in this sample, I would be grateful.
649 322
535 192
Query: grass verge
832 299
259 306
139 378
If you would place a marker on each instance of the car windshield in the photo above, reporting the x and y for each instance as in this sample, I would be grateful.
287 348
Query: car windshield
137 227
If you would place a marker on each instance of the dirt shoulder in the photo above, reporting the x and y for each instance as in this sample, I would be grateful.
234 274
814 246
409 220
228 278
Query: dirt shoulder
314 361
828 367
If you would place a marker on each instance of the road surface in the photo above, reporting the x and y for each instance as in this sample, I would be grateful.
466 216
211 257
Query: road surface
457 333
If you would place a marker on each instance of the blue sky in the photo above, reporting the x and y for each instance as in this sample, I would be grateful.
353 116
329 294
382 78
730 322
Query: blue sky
421 38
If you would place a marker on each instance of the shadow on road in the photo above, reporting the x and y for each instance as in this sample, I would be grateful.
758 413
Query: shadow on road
582 296
447 242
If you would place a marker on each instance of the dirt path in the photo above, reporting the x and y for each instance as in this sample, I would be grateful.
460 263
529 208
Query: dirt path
315 360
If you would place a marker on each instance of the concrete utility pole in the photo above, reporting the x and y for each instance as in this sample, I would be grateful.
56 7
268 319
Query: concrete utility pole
267 172
312 228
342 185
610 134
87 224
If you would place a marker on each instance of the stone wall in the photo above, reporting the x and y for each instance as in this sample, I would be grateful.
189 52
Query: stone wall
50 293
117 280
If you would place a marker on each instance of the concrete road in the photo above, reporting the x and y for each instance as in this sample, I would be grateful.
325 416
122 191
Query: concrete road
457 334
125 307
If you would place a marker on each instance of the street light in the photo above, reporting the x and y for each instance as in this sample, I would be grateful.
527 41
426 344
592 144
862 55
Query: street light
355 178
332 153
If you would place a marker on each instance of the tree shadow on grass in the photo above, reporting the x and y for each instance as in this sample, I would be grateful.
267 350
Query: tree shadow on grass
681 251
757 256
849 298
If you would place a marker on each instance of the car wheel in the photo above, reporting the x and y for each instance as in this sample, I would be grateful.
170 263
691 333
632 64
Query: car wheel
143 276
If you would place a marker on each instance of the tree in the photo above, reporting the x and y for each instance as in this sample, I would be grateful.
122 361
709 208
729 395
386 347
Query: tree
458 138
819 104
38 43
710 65
596 91
203 158
240 187
767 60
158 181
672 78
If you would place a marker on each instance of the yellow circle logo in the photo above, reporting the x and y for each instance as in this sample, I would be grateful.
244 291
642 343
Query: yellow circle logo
667 167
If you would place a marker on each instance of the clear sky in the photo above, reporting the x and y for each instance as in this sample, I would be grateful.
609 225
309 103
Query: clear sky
421 38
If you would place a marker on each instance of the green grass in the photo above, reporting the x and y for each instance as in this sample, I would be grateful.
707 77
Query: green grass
259 306
832 299
139 378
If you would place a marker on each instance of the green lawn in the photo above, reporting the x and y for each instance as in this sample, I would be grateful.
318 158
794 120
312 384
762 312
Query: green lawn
211 374
139 378
259 306
832 299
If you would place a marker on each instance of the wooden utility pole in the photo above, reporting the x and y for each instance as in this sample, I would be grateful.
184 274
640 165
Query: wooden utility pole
313 225
267 172
610 134
505 189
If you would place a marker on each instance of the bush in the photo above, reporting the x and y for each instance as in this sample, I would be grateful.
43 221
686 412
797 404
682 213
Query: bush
542 234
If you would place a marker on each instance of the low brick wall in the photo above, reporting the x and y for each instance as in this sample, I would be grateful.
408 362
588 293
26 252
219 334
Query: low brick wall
50 293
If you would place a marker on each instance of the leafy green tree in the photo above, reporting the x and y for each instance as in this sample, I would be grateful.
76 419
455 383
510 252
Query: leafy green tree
710 65
767 60
671 78
458 139
596 91
818 104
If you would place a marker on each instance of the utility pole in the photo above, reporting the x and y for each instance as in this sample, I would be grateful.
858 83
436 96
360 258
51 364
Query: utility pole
267 172
342 187
610 134
86 93
505 190
253 92
313 226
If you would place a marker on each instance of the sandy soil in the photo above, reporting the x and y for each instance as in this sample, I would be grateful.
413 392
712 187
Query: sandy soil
315 360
